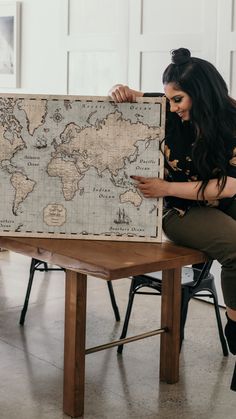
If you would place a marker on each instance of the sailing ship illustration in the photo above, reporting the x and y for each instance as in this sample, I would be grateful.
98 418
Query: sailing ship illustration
122 217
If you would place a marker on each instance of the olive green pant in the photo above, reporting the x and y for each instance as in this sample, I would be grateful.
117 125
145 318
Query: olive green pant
212 231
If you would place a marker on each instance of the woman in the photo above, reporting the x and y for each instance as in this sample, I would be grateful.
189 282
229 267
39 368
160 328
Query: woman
200 167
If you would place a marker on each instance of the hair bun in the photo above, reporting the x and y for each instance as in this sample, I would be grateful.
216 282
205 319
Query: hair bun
180 56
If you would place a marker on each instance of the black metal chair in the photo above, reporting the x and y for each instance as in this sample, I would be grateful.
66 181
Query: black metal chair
195 280
36 265
233 383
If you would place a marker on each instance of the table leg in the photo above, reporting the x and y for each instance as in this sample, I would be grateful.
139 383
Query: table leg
74 349
170 318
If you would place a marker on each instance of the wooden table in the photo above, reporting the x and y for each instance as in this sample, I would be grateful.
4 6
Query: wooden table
109 260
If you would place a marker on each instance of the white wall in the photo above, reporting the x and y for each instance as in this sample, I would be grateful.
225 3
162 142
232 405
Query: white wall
85 46
72 46
226 42
97 45
43 61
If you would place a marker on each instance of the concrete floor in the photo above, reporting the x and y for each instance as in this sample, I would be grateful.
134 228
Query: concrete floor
127 386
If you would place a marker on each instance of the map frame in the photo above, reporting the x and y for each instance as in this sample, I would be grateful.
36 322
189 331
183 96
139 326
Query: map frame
158 102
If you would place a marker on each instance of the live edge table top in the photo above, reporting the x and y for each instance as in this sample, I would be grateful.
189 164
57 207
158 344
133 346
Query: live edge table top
104 259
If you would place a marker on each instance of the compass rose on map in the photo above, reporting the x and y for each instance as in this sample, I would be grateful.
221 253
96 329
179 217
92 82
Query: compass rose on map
57 116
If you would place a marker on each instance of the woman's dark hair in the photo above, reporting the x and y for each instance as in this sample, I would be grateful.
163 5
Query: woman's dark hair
213 112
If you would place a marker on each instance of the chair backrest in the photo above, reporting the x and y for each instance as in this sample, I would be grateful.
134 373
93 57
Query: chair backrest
192 275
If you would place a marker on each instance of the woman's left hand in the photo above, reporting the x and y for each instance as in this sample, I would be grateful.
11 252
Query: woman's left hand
152 187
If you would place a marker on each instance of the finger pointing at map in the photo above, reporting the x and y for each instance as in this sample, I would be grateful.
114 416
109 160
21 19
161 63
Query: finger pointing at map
151 187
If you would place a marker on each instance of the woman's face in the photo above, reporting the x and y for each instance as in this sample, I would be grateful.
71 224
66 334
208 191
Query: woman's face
180 102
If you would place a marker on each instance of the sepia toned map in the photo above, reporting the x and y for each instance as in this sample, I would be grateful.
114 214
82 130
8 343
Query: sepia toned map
66 162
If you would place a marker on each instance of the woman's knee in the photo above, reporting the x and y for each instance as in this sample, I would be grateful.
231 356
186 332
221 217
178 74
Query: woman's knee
206 229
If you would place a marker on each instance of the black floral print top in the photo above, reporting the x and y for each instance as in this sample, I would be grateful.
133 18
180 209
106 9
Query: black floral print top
179 166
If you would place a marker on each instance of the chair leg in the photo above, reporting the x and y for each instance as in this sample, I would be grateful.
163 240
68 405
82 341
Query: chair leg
30 282
127 315
113 301
184 313
45 266
220 328
33 268
212 289
233 383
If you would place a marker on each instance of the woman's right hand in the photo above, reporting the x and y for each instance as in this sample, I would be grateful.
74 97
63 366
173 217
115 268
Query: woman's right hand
121 93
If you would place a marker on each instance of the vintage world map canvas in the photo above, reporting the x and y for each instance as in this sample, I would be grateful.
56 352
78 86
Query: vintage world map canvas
66 162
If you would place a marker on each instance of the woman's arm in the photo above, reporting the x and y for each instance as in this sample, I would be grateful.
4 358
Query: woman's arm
157 188
121 93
